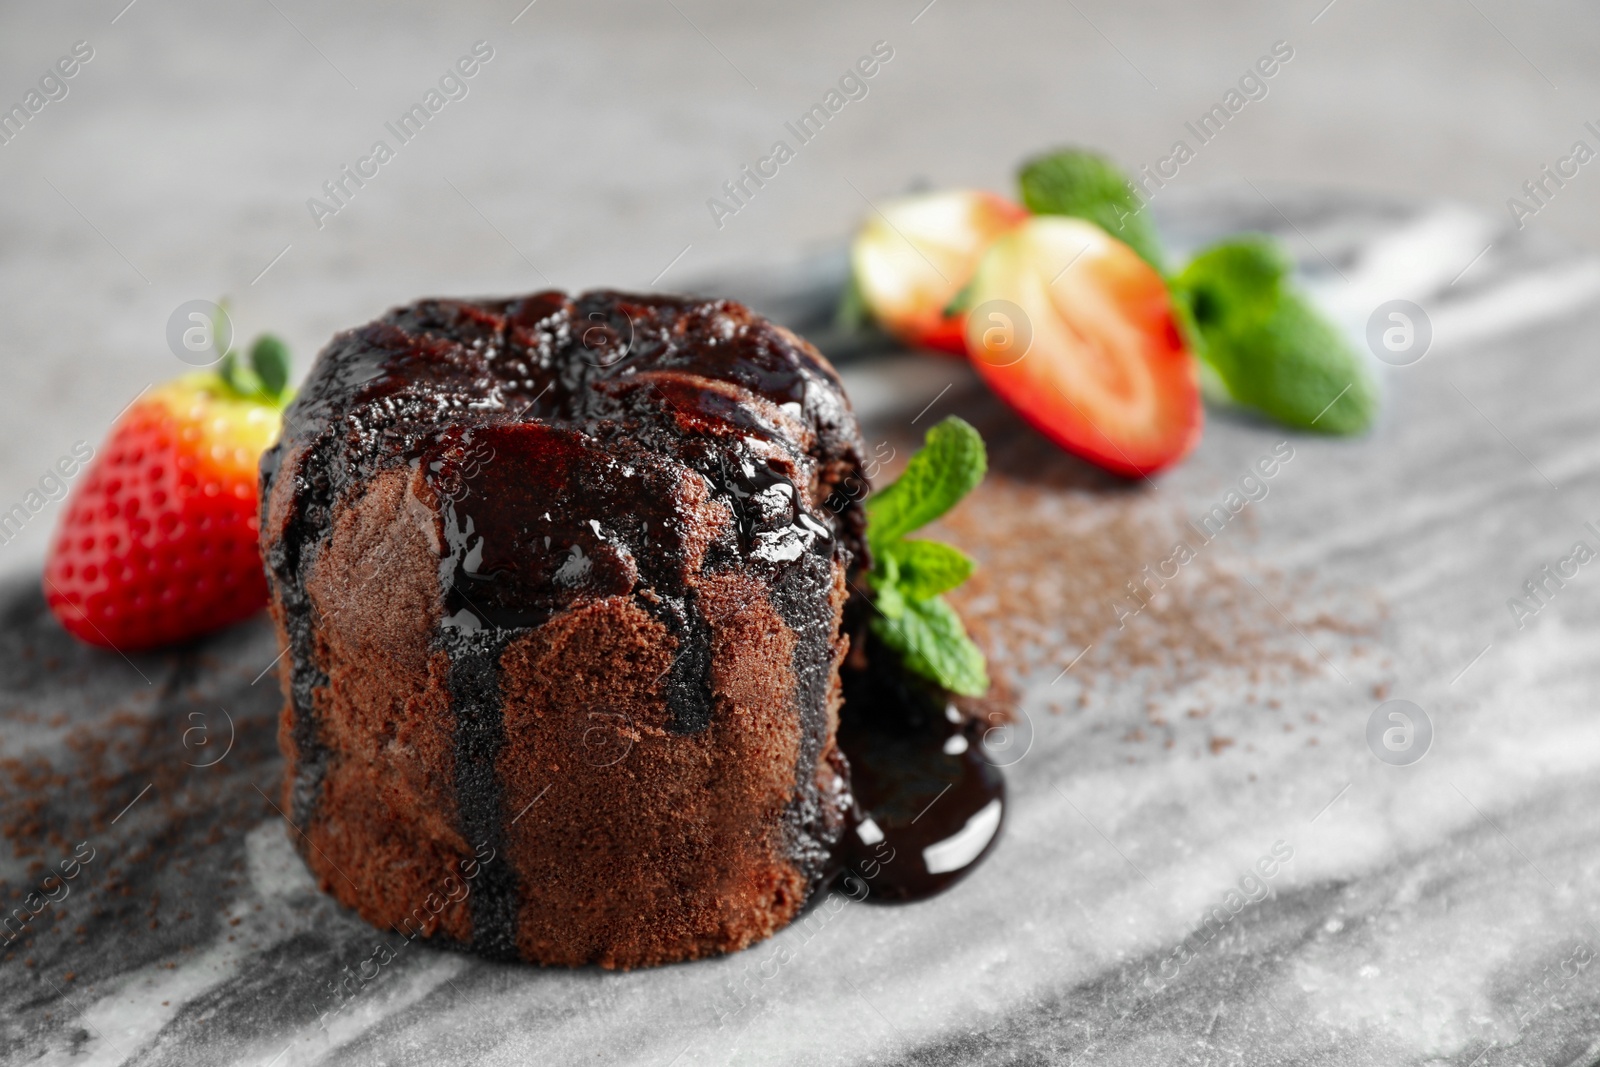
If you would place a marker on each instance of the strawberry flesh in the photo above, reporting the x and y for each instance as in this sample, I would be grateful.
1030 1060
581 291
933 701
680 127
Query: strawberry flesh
1081 340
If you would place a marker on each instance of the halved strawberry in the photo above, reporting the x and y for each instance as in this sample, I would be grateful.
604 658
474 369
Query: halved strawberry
1070 327
912 259
158 542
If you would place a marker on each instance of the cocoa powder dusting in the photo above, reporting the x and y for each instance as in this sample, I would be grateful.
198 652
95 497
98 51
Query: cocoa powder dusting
1053 580
1079 579
130 770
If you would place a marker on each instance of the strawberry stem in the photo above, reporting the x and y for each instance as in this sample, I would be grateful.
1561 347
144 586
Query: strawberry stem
269 358
230 371
266 376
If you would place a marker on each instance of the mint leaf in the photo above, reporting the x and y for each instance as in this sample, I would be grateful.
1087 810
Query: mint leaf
908 576
924 569
269 358
950 464
887 599
1297 367
1270 347
1240 277
1089 186
933 643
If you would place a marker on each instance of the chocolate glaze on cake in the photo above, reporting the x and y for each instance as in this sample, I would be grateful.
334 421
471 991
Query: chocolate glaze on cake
560 582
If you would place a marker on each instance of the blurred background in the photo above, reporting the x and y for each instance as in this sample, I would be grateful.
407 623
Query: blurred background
179 163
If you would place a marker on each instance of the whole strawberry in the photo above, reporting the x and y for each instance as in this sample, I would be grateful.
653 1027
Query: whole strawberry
158 543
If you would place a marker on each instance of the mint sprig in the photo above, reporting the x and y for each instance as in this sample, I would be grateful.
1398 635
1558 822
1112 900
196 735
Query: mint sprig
1273 350
924 569
908 575
948 466
1087 185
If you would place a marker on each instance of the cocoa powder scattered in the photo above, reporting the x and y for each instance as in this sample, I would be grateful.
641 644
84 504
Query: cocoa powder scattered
1052 584
1060 547
116 755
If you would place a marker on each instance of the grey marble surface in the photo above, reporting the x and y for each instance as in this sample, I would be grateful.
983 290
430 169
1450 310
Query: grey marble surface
1431 913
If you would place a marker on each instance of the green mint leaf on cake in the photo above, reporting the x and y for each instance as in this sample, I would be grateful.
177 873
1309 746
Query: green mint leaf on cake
1271 349
949 465
933 643
1087 185
924 569
891 604
908 576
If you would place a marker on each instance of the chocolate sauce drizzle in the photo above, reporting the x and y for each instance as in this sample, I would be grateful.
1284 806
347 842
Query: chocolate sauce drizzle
290 558
480 731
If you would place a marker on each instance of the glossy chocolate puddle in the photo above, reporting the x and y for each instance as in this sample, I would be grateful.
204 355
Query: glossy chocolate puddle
928 804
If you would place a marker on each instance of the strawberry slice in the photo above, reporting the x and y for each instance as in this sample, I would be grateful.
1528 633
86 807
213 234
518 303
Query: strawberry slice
912 259
1076 332
158 542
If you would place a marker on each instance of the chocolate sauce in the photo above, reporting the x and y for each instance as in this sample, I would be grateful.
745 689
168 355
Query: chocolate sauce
480 731
928 806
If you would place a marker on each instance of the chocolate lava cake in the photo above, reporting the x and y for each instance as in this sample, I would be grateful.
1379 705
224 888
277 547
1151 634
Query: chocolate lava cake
560 583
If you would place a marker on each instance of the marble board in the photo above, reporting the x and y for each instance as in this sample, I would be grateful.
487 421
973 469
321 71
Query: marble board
1211 855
